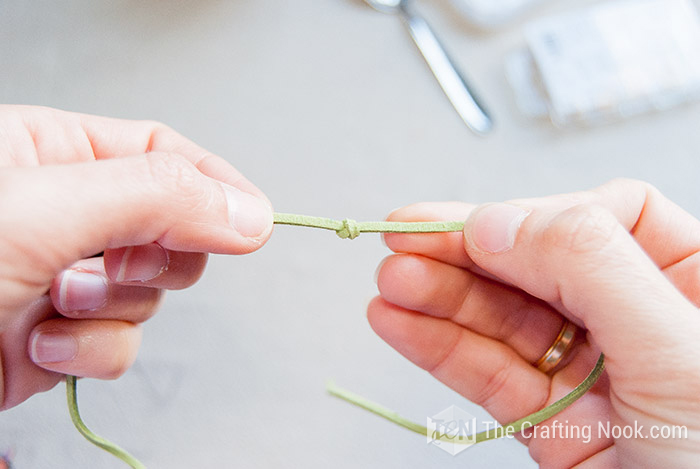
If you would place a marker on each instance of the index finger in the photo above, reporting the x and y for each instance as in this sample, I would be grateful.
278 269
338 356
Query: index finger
666 232
67 137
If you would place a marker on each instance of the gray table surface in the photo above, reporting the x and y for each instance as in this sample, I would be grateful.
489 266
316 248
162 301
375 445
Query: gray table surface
329 108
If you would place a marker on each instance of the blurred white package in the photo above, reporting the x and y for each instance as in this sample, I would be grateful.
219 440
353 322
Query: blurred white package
609 61
492 13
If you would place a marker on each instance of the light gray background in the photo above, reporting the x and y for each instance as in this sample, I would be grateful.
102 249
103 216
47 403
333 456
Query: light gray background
329 108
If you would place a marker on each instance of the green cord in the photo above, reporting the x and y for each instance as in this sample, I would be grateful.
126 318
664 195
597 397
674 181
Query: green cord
499 432
351 229
71 391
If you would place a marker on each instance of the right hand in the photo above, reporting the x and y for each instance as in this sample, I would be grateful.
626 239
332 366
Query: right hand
477 310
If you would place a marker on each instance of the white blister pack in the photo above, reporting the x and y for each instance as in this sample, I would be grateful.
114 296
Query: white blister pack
607 62
493 13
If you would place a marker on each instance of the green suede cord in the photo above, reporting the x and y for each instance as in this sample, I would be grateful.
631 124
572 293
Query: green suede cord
351 229
72 393
499 432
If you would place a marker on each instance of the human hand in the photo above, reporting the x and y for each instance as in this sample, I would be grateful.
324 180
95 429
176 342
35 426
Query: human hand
477 310
73 186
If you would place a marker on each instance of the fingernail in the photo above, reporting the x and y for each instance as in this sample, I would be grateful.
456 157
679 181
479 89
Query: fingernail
82 291
494 227
53 347
247 214
142 263
376 271
383 239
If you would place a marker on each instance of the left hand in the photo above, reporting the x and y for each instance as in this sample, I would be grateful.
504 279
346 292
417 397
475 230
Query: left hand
74 186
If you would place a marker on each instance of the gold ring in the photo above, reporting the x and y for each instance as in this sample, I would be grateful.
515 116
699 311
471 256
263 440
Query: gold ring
556 353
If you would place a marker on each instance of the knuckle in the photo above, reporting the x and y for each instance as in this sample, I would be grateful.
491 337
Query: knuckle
170 169
496 383
628 186
581 229
447 357
512 323
155 126
467 304
175 175
165 138
629 182
159 132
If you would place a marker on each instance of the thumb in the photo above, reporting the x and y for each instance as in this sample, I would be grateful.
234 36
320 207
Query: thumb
584 262
54 215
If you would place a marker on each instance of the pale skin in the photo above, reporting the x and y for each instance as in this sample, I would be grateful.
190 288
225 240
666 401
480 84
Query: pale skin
477 309
75 186
98 216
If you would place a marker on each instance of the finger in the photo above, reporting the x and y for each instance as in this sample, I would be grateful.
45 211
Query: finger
114 138
685 275
664 230
491 375
90 207
56 136
529 326
449 248
152 265
23 379
607 458
93 348
445 247
83 291
498 379
583 260
573 434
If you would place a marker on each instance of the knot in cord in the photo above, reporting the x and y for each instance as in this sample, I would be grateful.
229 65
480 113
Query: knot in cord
350 229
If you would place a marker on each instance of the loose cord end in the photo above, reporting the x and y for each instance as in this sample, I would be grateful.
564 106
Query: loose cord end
72 395
491 434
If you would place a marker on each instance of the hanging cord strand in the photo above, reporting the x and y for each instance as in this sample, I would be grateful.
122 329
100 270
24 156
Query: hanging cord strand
491 434
72 394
